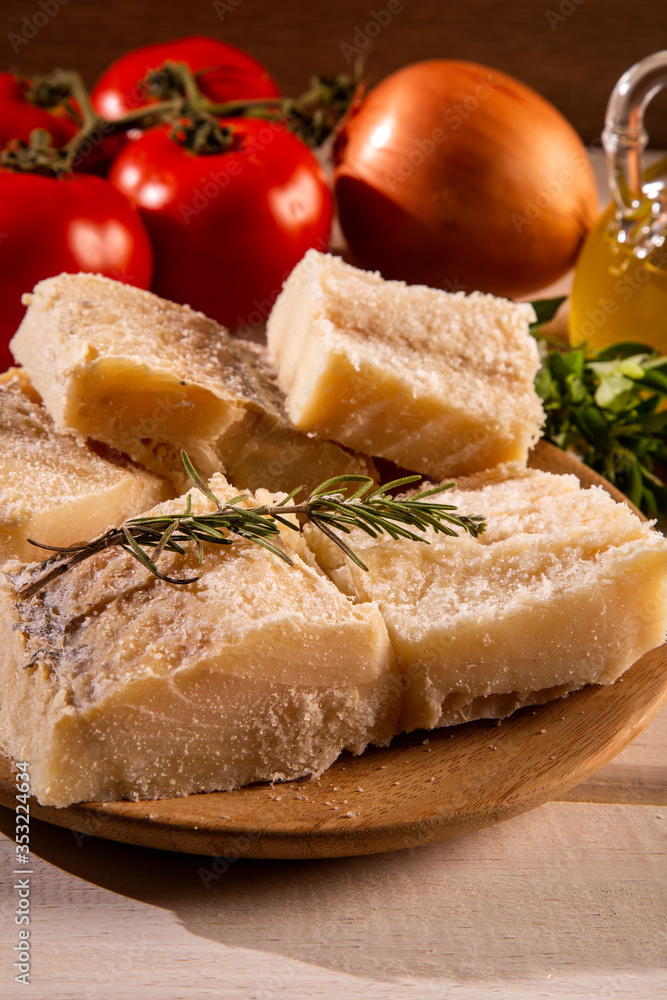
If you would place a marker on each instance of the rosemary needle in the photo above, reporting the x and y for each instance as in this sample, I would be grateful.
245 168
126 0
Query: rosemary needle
331 508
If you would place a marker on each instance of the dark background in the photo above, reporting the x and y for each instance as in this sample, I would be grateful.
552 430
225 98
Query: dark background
572 51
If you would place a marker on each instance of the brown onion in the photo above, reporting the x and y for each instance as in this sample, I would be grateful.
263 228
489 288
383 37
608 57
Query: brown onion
455 175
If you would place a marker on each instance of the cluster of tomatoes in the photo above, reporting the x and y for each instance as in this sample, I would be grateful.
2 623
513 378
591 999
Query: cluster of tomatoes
187 180
216 224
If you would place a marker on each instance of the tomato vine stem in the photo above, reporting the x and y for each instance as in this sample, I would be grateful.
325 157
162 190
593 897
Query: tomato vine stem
313 116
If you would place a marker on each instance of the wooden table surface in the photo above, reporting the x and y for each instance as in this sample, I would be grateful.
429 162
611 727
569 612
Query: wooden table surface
569 900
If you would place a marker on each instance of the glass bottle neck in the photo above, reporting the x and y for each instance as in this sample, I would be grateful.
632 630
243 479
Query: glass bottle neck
625 138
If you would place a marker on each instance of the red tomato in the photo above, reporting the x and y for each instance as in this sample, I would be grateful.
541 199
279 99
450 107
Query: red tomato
227 228
233 74
76 223
18 116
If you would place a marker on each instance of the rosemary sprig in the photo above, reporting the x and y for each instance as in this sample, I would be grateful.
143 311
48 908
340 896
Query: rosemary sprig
329 507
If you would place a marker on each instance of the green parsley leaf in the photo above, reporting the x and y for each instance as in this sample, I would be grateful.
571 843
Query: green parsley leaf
610 408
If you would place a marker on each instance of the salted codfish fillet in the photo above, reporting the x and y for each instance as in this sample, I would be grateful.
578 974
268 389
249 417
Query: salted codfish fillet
565 588
149 377
54 489
118 685
438 382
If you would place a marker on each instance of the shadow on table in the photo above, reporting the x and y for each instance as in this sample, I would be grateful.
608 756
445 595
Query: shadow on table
528 897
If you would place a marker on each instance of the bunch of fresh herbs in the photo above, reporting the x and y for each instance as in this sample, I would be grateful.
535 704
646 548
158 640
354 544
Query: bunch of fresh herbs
609 408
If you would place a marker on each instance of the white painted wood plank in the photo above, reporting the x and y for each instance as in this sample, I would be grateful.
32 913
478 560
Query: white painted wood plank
566 901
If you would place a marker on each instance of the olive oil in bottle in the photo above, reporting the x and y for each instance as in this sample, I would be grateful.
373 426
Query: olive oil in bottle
620 283
620 290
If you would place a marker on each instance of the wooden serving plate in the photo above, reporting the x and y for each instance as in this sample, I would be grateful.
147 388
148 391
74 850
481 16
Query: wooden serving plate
424 787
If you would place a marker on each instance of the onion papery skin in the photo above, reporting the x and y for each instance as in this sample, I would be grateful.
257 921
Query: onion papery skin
455 175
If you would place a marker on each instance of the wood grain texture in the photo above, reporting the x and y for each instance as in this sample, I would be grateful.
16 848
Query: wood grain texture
573 58
425 787
564 902
637 776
